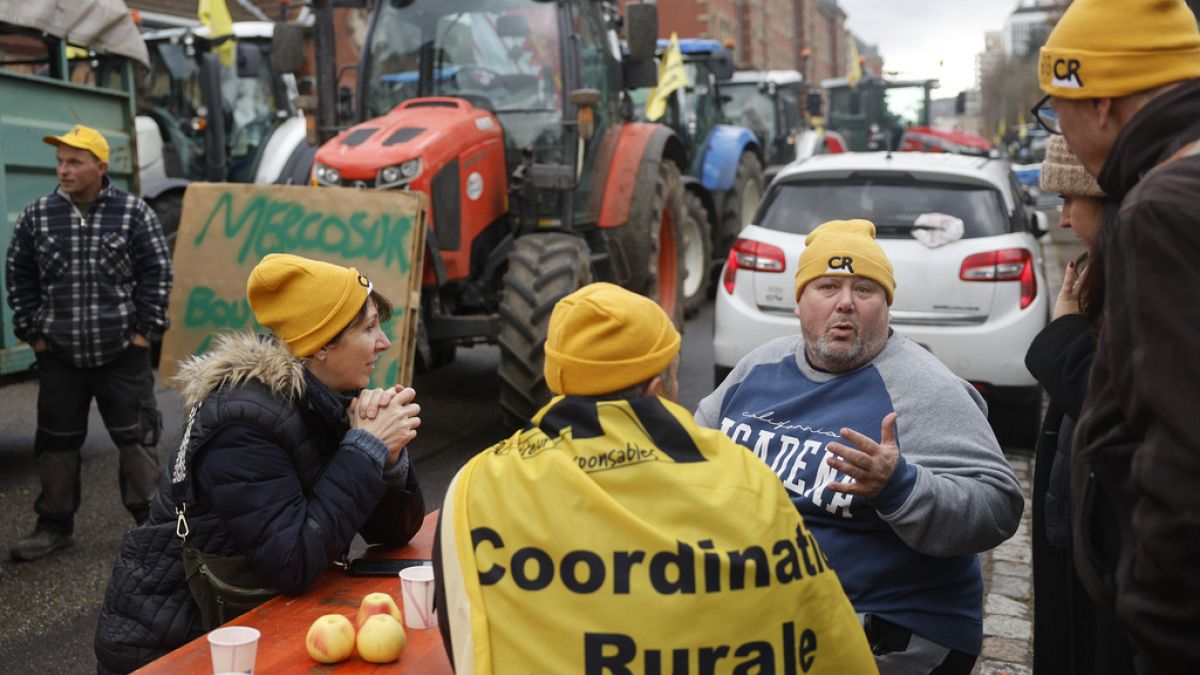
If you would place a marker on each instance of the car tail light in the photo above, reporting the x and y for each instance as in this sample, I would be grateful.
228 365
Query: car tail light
1008 264
753 256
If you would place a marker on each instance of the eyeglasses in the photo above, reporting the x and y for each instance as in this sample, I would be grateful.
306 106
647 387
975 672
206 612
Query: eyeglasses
1046 116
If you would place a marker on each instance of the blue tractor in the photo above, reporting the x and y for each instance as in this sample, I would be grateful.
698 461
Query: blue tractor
723 182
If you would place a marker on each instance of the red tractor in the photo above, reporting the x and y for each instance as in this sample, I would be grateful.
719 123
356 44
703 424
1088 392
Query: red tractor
513 116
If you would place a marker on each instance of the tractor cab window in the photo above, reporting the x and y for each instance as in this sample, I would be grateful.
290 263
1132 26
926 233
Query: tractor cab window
751 107
500 54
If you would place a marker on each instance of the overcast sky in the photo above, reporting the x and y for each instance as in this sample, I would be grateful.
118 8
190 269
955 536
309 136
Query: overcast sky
914 36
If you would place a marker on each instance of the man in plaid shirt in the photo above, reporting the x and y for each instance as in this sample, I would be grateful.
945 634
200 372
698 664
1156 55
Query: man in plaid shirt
89 274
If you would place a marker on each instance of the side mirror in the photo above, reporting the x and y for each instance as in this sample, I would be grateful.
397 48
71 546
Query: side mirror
641 19
249 60
960 103
1040 224
814 103
287 47
345 103
640 74
721 64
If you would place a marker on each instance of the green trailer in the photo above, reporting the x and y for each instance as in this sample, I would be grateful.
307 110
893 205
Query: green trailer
49 83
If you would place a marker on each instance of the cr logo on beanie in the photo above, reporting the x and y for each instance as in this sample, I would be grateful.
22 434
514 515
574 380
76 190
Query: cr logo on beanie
1112 48
845 247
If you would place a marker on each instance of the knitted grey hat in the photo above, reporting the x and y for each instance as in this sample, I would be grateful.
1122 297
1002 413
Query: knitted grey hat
1063 173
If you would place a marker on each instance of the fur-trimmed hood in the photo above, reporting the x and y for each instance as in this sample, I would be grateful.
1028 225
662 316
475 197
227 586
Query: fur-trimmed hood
236 358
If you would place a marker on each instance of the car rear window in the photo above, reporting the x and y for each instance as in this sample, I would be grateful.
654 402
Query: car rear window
892 204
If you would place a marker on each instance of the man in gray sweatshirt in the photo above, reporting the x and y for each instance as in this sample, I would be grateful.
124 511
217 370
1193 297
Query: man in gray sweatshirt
886 453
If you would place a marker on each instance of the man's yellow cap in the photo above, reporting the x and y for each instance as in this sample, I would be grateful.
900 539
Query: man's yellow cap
1106 48
305 302
845 247
603 338
84 138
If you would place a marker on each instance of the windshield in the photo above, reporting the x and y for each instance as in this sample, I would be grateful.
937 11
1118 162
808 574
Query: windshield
905 105
748 106
171 94
892 204
504 51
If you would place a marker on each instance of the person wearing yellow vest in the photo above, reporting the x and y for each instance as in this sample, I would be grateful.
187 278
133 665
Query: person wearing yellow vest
614 535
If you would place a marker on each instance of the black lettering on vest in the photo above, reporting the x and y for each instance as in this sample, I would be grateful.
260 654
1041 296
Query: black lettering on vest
683 562
787 569
596 662
838 262
712 567
762 663
478 536
808 645
803 543
789 648
737 568
595 574
1067 69
623 561
709 657
545 572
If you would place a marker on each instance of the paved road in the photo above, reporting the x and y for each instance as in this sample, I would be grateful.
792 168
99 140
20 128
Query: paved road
50 606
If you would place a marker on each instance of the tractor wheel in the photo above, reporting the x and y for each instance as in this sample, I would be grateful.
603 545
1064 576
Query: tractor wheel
696 234
169 208
656 216
542 269
739 205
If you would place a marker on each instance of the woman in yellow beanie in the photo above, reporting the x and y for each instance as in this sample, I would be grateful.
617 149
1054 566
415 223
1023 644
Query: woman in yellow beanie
1072 634
284 460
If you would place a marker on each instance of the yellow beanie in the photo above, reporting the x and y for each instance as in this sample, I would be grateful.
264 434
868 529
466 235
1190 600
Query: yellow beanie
1108 48
84 138
603 338
845 247
305 302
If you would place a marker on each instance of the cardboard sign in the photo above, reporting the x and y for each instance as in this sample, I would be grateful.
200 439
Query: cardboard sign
226 229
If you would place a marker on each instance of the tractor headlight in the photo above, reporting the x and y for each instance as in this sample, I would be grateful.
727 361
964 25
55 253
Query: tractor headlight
394 176
326 175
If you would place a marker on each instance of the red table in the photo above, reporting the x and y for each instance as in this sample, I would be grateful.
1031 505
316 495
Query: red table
284 621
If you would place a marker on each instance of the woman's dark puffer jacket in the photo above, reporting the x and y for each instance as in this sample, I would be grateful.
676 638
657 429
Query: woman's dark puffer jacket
273 472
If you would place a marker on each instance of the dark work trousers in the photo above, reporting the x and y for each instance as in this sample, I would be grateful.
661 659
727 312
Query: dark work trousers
124 393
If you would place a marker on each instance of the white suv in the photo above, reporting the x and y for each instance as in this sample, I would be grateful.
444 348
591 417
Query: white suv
976 303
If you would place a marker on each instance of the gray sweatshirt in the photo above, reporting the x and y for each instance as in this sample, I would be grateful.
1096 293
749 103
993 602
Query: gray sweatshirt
909 553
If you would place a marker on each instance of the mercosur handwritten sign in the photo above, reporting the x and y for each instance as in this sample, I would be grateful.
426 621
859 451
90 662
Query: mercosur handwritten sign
226 229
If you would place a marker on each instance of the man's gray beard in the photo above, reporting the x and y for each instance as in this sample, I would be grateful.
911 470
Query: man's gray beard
836 359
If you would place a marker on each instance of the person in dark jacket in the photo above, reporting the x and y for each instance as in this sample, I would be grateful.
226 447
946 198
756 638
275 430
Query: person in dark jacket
1072 635
89 274
1123 80
284 459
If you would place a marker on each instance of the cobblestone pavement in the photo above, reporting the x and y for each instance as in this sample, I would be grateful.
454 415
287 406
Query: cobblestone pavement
1008 592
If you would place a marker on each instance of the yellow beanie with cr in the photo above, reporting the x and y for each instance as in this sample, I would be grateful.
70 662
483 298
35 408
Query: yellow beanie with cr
84 138
305 302
603 338
1106 48
845 247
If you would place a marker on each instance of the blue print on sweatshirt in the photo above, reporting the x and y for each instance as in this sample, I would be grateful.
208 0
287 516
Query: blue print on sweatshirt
788 421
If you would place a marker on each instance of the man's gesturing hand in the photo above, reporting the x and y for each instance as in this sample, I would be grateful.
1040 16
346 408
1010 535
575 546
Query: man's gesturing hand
871 465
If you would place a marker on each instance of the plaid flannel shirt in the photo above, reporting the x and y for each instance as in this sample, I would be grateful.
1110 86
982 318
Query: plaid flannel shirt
86 283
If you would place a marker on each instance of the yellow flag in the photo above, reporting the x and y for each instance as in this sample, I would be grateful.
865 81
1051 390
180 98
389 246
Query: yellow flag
671 76
854 68
215 15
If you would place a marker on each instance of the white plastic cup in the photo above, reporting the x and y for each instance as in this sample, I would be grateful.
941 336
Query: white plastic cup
234 649
416 590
